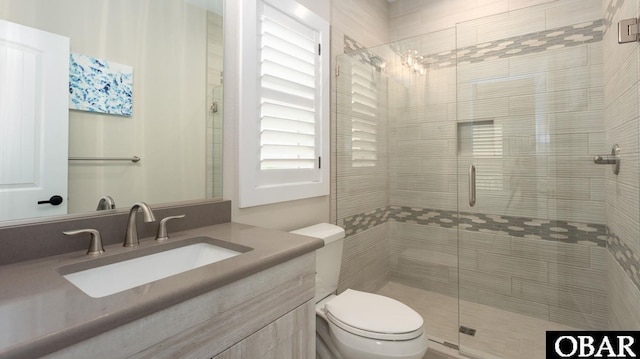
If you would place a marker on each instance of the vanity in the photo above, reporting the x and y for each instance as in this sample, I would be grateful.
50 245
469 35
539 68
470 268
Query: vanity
257 304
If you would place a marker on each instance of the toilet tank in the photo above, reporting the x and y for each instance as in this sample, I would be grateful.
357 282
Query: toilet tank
328 258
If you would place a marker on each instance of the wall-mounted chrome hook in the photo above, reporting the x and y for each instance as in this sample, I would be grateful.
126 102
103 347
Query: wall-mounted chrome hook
612 159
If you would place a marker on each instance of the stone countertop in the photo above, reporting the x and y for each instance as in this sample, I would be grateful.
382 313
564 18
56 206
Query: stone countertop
41 312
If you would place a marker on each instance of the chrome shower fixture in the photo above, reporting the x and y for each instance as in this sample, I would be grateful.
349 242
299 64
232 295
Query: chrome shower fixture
413 61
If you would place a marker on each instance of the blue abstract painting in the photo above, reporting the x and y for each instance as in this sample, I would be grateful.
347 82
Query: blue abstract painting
100 86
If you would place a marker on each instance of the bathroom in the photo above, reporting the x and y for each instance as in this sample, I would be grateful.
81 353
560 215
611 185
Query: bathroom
410 230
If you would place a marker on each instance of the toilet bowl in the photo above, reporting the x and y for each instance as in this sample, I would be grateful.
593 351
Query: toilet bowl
355 324
370 326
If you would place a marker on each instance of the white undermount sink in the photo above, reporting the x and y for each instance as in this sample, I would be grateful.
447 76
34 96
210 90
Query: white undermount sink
116 277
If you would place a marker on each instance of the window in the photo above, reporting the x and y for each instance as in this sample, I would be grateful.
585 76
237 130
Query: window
487 148
483 141
284 121
364 109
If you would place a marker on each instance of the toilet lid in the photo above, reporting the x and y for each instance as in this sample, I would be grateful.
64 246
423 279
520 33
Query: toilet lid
373 313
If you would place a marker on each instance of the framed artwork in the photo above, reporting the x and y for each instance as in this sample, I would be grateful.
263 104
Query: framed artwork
100 86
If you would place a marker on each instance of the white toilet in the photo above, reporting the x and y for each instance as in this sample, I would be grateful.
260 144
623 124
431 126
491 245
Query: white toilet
354 324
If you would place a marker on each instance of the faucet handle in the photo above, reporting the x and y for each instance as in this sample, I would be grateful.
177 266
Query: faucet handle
162 228
95 244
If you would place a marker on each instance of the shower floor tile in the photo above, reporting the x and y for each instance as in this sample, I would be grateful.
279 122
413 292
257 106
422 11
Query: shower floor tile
499 333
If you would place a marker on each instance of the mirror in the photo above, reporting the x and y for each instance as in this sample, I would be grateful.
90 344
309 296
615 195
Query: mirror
173 51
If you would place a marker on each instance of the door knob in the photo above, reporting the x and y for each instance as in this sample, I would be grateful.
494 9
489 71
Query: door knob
54 200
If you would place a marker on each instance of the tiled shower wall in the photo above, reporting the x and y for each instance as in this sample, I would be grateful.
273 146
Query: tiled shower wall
365 257
367 21
622 191
543 90
547 83
362 186
538 84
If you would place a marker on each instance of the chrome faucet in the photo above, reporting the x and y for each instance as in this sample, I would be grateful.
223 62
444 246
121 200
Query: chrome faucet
105 203
131 236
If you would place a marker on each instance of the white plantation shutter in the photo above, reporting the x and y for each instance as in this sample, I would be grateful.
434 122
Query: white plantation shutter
284 149
289 93
487 148
364 110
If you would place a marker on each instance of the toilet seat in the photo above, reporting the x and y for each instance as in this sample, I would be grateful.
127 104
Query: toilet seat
374 335
373 316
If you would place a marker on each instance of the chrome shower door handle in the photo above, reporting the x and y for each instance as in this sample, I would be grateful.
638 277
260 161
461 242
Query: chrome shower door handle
472 185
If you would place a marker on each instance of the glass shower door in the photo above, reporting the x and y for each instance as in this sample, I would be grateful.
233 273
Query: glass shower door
531 211
524 110
396 175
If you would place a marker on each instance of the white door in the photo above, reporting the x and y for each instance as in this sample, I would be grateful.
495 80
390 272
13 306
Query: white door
34 121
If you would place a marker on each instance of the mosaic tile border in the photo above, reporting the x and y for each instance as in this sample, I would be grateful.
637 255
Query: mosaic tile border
532 228
624 255
350 45
364 55
609 13
365 221
566 36
561 37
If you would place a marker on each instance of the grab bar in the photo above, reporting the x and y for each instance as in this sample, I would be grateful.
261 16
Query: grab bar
133 159
472 185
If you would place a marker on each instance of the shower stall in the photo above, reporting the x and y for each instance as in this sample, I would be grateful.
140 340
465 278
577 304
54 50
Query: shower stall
466 183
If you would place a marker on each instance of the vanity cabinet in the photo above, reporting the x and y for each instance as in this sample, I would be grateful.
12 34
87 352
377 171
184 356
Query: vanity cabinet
290 337
269 314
